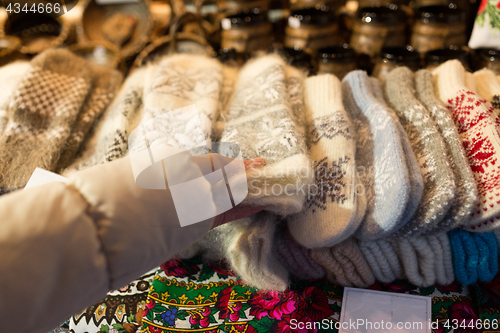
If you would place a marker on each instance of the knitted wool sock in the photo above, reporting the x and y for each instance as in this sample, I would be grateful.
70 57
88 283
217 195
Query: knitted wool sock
383 260
488 255
488 87
415 176
479 131
41 114
465 256
10 76
428 145
265 119
109 140
470 82
379 157
441 249
106 82
466 191
295 257
344 264
329 216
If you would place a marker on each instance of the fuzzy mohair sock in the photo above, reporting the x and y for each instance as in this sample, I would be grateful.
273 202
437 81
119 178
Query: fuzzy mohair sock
381 164
41 115
10 76
414 174
466 195
105 84
430 150
488 87
479 131
329 215
344 264
383 259
109 139
295 257
266 119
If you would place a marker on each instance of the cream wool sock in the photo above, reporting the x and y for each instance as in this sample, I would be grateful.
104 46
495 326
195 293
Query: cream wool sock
479 131
441 249
105 84
429 147
470 82
488 87
10 76
109 140
383 260
41 115
466 192
379 157
344 264
265 120
329 216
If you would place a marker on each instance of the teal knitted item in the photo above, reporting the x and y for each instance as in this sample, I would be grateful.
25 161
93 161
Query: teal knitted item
488 255
465 256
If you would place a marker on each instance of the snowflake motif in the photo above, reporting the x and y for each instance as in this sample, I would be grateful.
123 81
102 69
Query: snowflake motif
496 102
330 126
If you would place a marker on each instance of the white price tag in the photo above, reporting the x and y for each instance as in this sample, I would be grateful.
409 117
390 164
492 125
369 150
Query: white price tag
41 176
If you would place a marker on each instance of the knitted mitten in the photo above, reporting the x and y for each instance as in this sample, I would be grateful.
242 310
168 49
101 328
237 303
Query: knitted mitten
106 82
428 145
41 115
10 76
380 158
265 119
329 216
466 191
479 131
488 87
295 257
109 140
383 260
344 264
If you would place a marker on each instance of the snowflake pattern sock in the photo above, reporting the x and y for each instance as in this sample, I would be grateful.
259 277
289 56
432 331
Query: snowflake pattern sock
488 87
266 119
105 83
329 215
41 115
429 148
380 158
479 130
466 192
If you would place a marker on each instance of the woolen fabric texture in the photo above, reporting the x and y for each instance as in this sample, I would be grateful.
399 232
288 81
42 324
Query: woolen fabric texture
488 87
466 195
330 213
380 160
443 258
266 119
41 115
295 257
345 264
383 259
479 130
488 255
429 148
470 82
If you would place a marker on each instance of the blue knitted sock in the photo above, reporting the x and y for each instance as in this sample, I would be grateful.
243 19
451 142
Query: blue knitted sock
488 255
465 256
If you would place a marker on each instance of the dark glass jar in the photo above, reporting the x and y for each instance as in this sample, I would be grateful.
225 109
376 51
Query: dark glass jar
337 60
436 57
378 27
231 57
437 27
247 31
392 57
488 58
384 3
238 6
311 28
333 5
298 58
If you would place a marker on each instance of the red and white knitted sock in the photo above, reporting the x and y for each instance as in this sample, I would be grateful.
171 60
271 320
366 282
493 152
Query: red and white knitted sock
479 130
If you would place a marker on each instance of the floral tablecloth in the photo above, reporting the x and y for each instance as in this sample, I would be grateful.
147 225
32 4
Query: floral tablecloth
198 296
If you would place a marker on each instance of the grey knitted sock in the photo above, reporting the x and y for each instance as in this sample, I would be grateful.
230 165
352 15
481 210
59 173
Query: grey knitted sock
383 260
466 195
380 158
105 83
441 249
428 145
41 115
418 260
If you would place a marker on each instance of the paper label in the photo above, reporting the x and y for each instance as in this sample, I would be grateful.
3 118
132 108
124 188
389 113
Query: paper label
41 176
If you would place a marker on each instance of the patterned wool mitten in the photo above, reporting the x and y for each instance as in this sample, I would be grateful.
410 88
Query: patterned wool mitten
479 131
295 257
345 264
380 159
429 147
105 84
265 119
382 257
488 87
329 215
109 140
10 76
466 192
41 115
414 174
